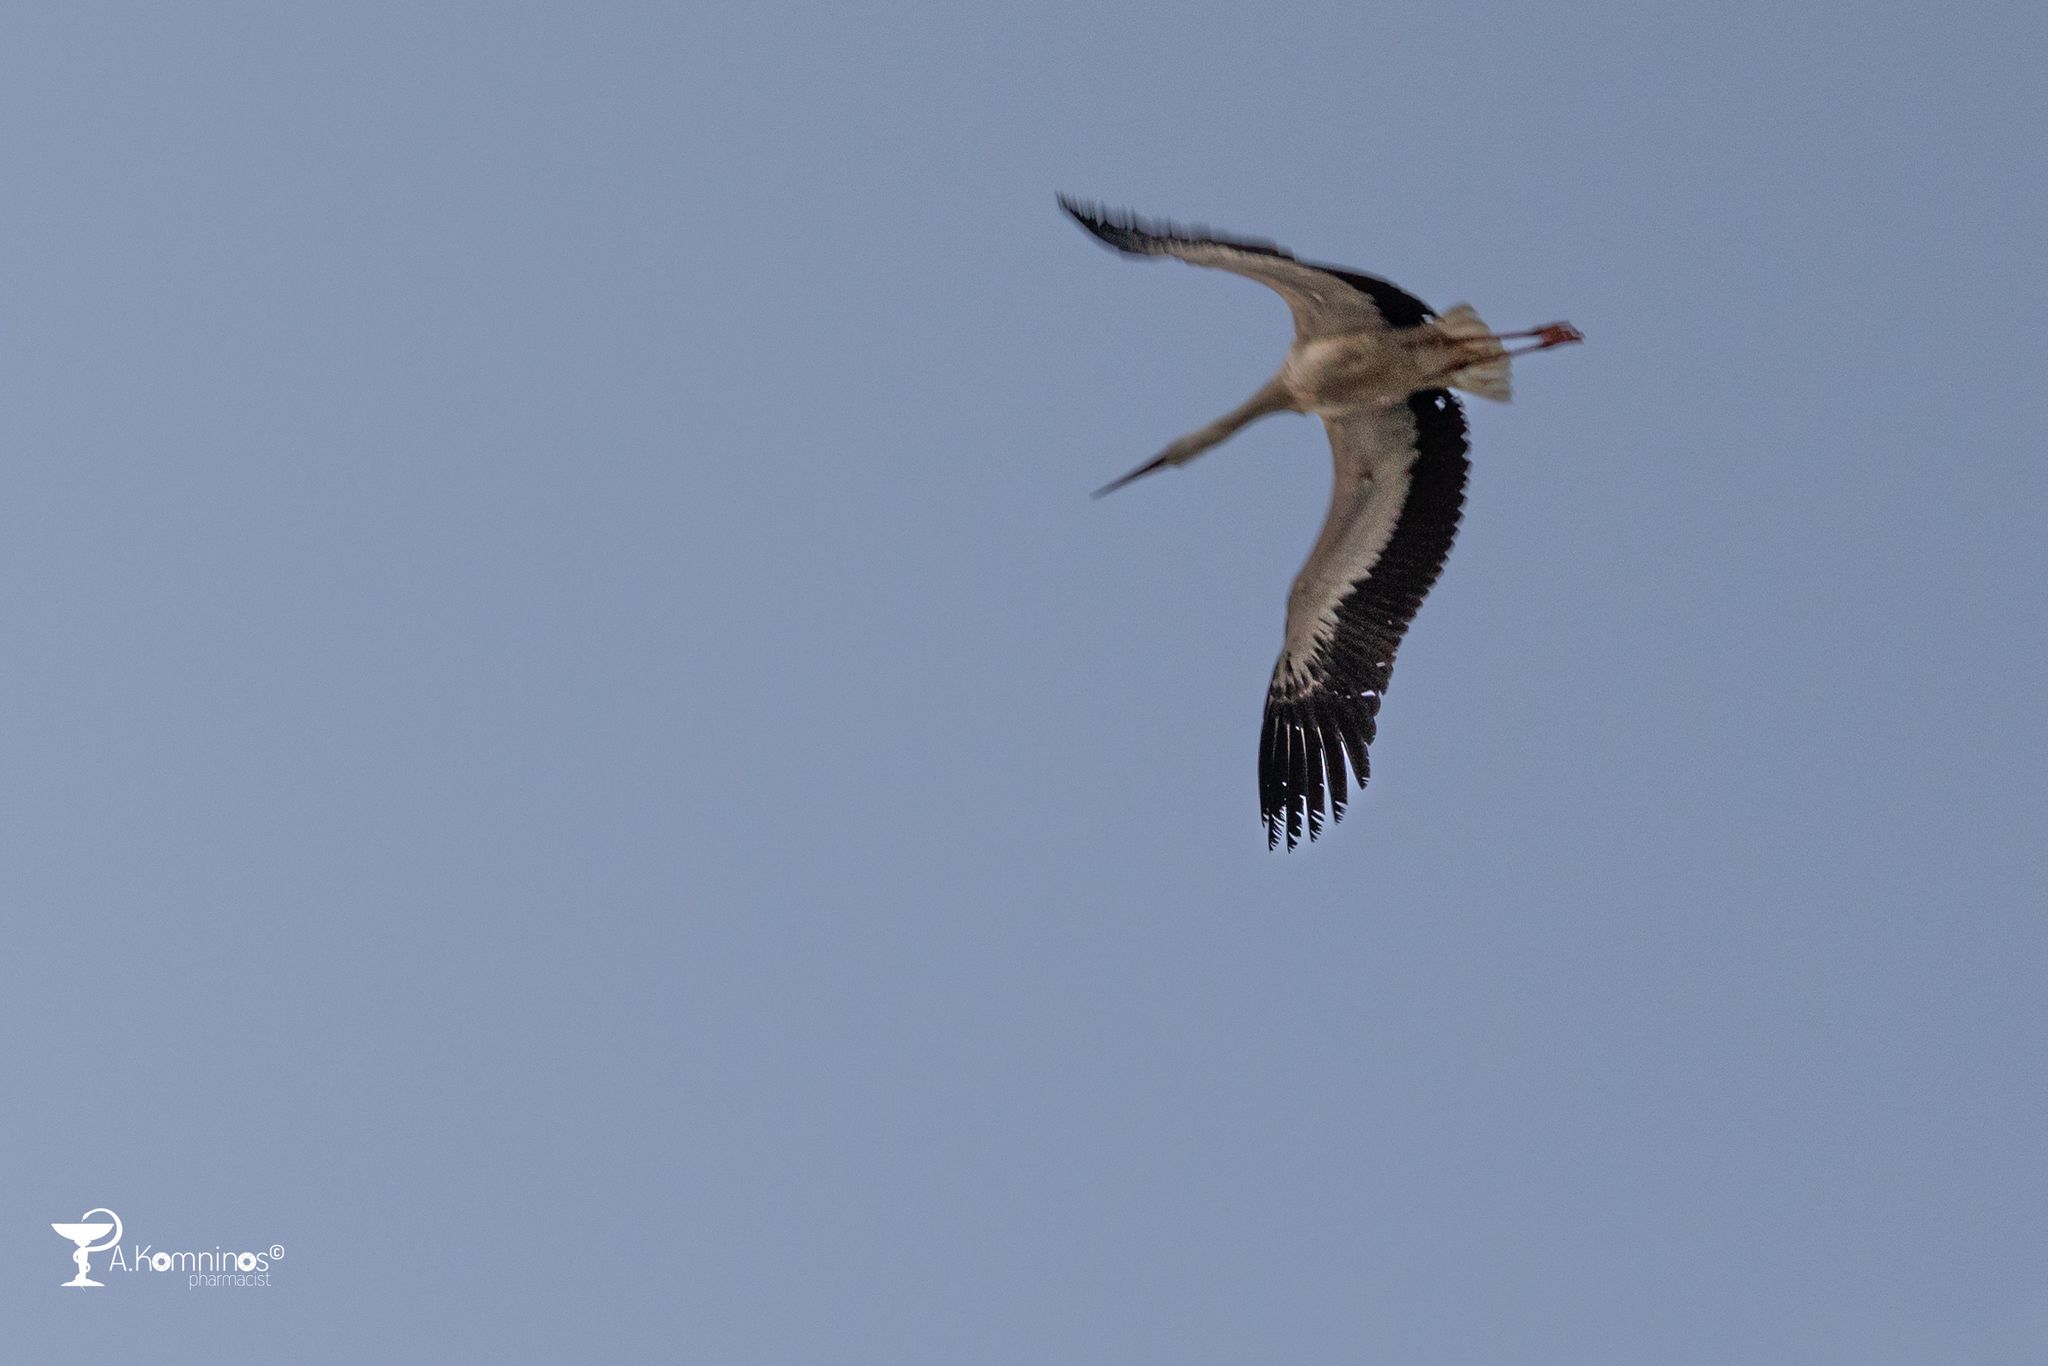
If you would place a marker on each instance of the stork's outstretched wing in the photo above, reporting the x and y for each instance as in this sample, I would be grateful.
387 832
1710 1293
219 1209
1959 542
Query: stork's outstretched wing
1394 507
1325 300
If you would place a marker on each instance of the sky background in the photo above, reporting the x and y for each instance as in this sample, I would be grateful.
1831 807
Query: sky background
574 752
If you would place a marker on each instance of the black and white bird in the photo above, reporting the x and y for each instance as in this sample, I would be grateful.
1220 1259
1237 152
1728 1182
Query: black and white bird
1377 366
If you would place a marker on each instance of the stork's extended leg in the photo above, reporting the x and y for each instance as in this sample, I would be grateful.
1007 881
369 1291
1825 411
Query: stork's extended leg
1478 356
1546 336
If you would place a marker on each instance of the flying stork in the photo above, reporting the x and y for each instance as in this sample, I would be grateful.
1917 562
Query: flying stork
1377 366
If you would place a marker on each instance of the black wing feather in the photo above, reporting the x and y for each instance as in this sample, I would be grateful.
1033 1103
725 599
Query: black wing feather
1139 236
1333 717
1331 737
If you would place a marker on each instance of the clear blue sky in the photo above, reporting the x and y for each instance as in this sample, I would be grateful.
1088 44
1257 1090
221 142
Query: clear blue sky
574 752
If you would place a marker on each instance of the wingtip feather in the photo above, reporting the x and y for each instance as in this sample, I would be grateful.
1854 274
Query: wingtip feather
1137 235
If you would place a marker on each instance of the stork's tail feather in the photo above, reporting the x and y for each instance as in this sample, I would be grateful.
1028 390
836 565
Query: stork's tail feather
1487 378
